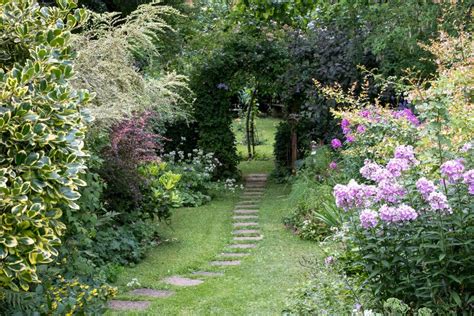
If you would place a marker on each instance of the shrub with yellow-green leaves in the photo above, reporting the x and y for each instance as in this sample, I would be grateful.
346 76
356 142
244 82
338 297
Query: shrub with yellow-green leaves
42 128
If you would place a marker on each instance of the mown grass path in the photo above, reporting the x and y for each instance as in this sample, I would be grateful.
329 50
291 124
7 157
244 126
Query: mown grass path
258 286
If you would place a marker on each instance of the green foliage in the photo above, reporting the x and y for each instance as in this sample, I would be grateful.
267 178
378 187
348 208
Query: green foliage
159 191
196 170
126 49
314 214
42 126
325 293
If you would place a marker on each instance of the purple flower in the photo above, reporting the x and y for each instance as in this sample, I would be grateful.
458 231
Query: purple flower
402 213
350 138
360 129
368 218
408 115
466 147
405 152
439 202
388 213
329 260
390 191
333 165
375 172
222 86
406 213
354 195
397 165
345 123
336 143
345 126
452 170
469 180
364 113
425 187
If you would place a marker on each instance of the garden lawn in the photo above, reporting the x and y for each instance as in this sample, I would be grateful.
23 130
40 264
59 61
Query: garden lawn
259 286
266 128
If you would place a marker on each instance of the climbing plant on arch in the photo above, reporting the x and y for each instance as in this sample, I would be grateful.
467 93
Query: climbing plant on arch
242 59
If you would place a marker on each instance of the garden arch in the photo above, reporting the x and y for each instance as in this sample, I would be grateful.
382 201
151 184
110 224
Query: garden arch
228 70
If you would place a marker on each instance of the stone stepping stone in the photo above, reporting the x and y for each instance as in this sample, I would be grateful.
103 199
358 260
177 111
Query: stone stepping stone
128 305
226 263
246 206
245 231
245 217
180 281
242 246
153 293
246 211
253 193
252 238
245 224
207 273
234 254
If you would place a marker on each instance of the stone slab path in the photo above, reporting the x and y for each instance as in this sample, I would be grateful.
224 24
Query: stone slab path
245 236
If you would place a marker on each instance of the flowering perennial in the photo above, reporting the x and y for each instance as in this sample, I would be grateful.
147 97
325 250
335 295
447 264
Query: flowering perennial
452 170
368 218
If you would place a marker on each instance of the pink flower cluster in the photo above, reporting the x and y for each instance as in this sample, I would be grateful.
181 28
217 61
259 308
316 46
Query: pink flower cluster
368 218
354 195
453 170
469 180
408 115
402 213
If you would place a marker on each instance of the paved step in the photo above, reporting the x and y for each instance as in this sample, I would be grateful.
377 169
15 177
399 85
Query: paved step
245 224
246 211
180 281
152 293
245 217
242 246
234 254
245 231
207 273
250 238
246 205
128 305
226 263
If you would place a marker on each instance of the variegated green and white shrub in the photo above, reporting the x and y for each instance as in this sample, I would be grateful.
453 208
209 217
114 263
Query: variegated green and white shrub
42 128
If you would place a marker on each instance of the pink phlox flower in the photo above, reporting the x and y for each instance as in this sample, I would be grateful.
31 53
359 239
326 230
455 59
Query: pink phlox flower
408 115
354 195
390 191
439 202
368 218
350 138
375 172
406 152
466 147
452 169
406 213
397 165
425 187
336 143
360 129
468 179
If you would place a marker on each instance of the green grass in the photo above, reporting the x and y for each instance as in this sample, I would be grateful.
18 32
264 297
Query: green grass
266 128
257 287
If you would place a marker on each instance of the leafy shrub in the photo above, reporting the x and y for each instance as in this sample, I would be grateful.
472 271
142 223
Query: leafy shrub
314 214
159 191
325 293
130 145
42 127
196 170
